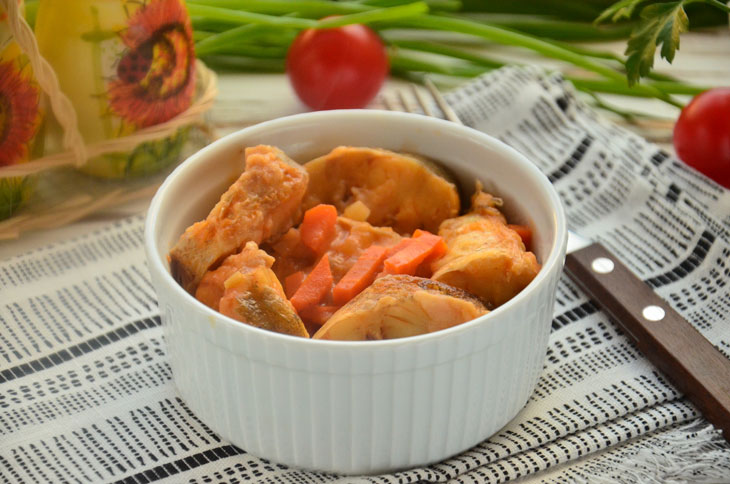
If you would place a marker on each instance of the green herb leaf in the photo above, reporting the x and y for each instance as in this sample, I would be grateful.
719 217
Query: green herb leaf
619 10
661 24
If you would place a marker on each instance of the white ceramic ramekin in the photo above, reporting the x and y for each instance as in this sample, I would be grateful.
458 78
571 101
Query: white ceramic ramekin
358 407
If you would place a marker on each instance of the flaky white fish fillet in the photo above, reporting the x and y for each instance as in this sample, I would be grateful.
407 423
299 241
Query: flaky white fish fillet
401 306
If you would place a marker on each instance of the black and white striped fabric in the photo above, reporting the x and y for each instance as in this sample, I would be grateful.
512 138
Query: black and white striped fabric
86 393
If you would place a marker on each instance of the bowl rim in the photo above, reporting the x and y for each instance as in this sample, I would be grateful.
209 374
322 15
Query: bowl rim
555 256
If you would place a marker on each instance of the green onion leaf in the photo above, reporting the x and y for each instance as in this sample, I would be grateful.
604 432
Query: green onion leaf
378 15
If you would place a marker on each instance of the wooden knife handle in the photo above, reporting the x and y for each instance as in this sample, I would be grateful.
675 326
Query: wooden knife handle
671 343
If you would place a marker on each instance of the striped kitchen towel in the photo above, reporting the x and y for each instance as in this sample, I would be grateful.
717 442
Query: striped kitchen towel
86 393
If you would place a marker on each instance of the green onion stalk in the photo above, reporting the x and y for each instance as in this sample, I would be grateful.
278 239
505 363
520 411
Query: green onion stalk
254 35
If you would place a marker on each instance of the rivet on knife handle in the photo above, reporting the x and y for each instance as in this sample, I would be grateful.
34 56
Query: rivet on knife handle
671 343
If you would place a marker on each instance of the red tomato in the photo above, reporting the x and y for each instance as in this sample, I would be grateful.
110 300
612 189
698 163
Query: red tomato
337 68
702 134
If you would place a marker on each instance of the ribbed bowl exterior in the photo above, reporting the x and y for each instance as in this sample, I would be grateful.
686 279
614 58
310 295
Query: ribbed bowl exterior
364 411
364 407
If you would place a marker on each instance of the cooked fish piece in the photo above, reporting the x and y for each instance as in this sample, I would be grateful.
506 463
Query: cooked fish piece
252 294
401 306
261 205
212 285
485 257
401 191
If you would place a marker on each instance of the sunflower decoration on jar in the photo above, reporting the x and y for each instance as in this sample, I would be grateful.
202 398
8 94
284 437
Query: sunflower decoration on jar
155 77
21 115
126 65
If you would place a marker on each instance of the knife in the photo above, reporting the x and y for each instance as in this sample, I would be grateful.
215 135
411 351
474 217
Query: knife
668 341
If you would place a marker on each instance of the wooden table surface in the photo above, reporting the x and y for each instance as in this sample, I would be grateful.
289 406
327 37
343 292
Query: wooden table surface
245 99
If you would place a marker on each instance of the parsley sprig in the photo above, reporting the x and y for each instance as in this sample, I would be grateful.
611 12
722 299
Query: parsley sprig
660 24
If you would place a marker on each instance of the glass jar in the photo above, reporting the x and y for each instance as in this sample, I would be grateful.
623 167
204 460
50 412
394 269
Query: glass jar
21 115
125 65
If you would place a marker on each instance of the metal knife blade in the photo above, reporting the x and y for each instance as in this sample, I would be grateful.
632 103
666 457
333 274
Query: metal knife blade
671 343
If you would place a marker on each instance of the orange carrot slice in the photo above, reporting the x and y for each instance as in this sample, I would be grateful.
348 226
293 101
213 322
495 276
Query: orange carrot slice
315 286
292 283
318 227
439 246
419 248
524 232
439 250
360 275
